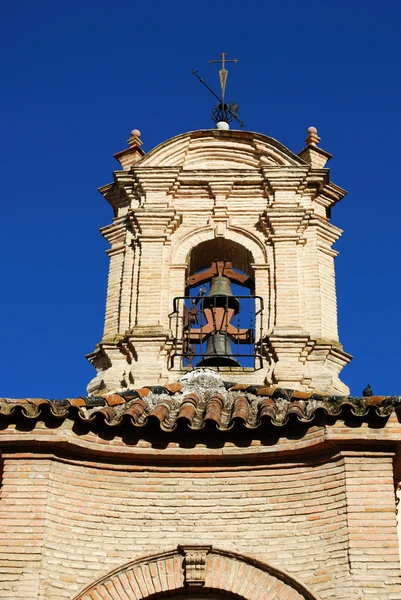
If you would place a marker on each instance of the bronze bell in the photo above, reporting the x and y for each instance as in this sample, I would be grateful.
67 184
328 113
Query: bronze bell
219 307
218 352
221 295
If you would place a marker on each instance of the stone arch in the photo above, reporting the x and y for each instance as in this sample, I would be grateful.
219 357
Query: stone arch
196 569
192 239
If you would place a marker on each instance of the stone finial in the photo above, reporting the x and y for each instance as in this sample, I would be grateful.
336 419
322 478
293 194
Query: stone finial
312 138
135 138
133 153
311 154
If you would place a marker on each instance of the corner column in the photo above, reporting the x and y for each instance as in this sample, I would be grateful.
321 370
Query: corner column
288 338
116 235
150 333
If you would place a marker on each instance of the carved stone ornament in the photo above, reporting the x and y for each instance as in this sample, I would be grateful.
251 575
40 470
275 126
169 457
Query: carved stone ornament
195 564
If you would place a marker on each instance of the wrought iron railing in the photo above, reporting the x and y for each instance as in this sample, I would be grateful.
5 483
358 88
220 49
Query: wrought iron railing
217 331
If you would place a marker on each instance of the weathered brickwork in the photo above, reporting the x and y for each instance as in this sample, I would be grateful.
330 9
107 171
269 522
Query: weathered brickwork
328 519
373 539
254 486
198 566
23 502
264 202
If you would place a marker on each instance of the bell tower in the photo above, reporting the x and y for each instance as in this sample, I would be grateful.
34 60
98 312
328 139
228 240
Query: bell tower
221 257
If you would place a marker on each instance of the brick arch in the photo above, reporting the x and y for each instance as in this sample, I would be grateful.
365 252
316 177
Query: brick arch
196 569
203 255
183 247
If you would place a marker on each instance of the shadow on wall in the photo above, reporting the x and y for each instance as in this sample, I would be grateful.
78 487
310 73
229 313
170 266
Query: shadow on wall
209 436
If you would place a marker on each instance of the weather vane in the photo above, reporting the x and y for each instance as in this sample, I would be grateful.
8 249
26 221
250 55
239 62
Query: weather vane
222 113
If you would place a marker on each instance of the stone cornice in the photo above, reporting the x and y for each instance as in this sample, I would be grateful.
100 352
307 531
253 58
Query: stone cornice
122 192
285 178
221 189
317 179
116 232
114 195
322 441
140 183
327 232
281 225
156 179
330 195
154 223
233 148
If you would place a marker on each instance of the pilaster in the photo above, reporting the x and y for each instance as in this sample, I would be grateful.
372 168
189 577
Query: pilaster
372 526
220 191
154 228
286 235
319 275
23 508
116 234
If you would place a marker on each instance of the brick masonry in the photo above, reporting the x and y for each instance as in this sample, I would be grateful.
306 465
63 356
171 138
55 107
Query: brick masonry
76 506
265 203
298 506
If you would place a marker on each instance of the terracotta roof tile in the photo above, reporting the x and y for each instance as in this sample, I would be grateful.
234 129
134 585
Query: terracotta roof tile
76 401
174 387
241 409
222 405
214 408
115 399
142 392
162 411
187 410
136 411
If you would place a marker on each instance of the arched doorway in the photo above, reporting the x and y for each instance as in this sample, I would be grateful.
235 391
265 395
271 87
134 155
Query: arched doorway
196 572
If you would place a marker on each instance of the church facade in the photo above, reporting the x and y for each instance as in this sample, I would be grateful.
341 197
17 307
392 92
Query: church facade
217 452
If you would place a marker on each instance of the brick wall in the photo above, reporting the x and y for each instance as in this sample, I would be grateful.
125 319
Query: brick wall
65 522
23 509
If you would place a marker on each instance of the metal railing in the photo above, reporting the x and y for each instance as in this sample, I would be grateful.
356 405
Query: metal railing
237 321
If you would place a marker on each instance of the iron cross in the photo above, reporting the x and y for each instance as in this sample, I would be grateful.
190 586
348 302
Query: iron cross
223 73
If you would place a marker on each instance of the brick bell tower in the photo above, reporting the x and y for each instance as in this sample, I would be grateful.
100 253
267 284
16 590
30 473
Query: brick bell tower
221 257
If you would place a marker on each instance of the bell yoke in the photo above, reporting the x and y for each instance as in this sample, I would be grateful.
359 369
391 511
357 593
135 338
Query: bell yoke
219 308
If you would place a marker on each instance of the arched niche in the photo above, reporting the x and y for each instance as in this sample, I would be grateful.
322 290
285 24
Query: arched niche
198 571
202 255
244 249
182 249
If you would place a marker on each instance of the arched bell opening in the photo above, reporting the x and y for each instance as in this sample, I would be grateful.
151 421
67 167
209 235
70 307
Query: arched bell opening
218 322
202 256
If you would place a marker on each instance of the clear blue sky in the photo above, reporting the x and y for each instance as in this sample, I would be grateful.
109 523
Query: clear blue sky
78 76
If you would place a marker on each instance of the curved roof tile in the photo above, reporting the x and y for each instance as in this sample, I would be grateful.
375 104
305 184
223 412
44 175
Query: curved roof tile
222 407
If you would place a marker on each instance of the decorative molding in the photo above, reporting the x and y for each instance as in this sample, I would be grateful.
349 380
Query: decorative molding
220 224
220 189
200 150
195 564
151 224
